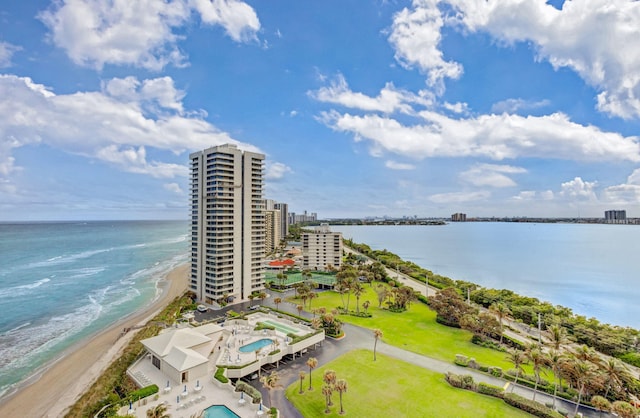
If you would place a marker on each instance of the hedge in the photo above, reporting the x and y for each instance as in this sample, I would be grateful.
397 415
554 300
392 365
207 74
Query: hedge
141 393
530 406
219 376
491 390
249 390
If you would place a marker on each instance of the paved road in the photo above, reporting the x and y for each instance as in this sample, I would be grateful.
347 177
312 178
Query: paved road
358 338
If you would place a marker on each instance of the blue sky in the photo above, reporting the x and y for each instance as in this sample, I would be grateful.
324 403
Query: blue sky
363 108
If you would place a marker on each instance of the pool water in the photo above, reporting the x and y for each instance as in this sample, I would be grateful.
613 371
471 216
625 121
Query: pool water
256 345
219 411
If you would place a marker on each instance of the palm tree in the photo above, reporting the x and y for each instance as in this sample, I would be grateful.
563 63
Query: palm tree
558 335
554 360
377 334
262 296
329 379
277 302
327 391
365 305
251 298
312 362
312 295
518 358
616 374
581 371
537 360
281 278
159 411
357 291
501 310
341 387
272 381
301 376
299 308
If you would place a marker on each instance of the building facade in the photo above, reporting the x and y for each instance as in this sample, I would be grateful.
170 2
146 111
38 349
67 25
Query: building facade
227 223
273 230
284 218
321 248
615 216
459 217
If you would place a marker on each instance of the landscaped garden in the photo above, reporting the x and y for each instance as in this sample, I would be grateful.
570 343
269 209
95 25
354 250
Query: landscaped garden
389 387
414 330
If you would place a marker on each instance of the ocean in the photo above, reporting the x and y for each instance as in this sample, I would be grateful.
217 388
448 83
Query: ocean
61 282
594 269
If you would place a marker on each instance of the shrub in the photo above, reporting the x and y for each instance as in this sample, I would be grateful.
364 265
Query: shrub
261 325
473 363
249 390
495 371
487 389
462 382
530 406
142 393
461 360
631 358
220 377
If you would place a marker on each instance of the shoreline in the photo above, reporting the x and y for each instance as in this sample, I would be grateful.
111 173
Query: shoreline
50 391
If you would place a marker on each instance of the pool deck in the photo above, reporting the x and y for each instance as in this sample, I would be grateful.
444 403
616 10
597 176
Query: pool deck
205 391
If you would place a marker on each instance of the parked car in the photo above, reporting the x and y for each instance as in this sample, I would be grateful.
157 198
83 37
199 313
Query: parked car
202 308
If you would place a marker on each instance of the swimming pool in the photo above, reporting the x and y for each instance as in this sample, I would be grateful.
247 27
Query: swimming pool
219 411
256 345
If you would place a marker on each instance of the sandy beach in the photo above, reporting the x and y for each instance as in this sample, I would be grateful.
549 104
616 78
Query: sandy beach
52 392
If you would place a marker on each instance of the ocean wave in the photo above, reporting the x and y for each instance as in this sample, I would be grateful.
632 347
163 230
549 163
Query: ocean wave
86 272
22 290
21 345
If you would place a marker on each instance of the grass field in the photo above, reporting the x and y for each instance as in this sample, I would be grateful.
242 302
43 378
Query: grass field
393 388
416 330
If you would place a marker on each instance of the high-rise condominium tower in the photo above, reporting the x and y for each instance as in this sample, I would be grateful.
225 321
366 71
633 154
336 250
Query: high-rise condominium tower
227 223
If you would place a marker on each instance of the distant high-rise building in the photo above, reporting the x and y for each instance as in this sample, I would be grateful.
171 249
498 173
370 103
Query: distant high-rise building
227 223
305 217
284 218
321 248
272 229
615 216
459 217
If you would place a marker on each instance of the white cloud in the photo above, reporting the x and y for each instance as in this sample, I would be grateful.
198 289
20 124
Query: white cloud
389 100
415 35
626 193
515 105
173 187
531 195
276 171
456 107
490 136
238 18
595 38
140 33
394 165
579 189
459 197
116 125
492 175
6 53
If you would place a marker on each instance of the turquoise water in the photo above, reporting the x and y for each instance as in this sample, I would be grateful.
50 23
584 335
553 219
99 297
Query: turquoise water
219 411
256 345
63 281
591 268
281 327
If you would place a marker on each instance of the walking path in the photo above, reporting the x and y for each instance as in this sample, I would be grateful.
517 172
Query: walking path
358 338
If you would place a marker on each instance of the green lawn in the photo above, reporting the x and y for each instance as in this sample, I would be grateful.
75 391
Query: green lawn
416 330
292 278
393 388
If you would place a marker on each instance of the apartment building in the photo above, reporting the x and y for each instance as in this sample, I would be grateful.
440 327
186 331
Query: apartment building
321 248
227 223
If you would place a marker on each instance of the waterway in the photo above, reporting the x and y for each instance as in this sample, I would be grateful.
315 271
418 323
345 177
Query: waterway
591 268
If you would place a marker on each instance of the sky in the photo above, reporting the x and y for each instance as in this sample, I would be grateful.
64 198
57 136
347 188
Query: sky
363 108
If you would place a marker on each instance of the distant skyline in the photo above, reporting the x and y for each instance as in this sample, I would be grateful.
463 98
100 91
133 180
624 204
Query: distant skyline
362 108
